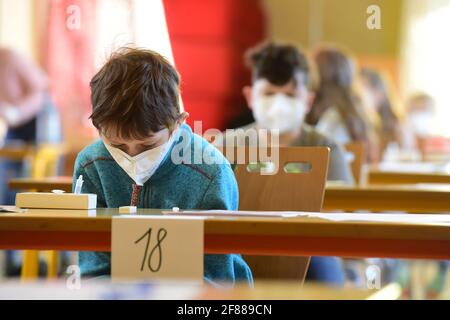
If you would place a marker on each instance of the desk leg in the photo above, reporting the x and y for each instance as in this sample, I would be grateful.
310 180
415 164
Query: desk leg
52 264
30 265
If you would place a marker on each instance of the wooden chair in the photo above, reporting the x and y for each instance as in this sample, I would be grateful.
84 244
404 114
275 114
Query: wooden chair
358 151
283 191
44 164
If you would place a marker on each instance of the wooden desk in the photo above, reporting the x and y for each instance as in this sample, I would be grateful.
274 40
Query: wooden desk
16 152
299 236
41 184
380 177
409 198
409 173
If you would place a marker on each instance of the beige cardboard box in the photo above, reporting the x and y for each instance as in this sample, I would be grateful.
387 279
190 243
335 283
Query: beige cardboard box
42 200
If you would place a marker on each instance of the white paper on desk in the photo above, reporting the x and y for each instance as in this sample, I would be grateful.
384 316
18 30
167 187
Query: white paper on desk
229 213
157 247
381 217
11 209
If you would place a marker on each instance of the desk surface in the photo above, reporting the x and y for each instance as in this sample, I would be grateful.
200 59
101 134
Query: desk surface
409 173
417 198
296 236
398 177
410 198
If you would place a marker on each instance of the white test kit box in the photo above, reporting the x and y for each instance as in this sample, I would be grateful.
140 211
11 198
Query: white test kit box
42 200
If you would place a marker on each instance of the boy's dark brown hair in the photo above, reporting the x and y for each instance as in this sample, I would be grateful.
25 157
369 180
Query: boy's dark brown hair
278 63
135 93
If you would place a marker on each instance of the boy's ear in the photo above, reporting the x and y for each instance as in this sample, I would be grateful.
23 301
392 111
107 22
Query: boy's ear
183 117
247 92
310 101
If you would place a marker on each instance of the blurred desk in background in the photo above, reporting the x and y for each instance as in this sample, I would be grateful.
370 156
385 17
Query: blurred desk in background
409 173
422 198
20 152
41 184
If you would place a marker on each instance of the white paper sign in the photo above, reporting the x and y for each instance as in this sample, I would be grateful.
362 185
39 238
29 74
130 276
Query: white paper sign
155 247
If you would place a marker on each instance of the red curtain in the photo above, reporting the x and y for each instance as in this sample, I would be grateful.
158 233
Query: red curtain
70 59
208 40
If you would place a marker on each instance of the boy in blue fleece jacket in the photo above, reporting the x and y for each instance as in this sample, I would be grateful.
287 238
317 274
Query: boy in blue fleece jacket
147 157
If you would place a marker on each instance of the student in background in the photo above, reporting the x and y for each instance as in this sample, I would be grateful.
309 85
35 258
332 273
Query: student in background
22 97
337 109
135 99
377 99
27 116
23 88
419 122
279 98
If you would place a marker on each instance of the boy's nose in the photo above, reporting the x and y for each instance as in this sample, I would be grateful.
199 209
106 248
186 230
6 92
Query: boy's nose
133 152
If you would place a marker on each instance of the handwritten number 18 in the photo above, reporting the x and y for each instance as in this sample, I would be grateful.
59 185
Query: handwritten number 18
162 233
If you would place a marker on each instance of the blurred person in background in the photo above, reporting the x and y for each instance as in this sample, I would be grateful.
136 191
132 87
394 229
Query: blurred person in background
419 125
27 112
377 98
337 110
22 94
419 122
279 99
28 116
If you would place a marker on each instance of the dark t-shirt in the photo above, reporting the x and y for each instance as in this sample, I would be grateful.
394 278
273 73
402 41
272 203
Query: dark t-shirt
338 167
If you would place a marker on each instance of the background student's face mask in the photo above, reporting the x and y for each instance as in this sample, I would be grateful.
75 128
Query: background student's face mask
278 111
141 167
422 122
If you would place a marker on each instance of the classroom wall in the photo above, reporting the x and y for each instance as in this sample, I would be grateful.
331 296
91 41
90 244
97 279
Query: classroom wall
425 63
17 33
308 23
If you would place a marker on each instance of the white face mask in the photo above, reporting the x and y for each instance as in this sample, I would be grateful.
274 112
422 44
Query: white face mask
141 167
278 111
422 122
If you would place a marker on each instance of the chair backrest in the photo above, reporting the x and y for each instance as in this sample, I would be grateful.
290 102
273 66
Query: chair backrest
46 160
358 152
284 191
68 163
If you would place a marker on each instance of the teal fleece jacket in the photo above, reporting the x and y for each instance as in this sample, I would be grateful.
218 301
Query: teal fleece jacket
192 184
